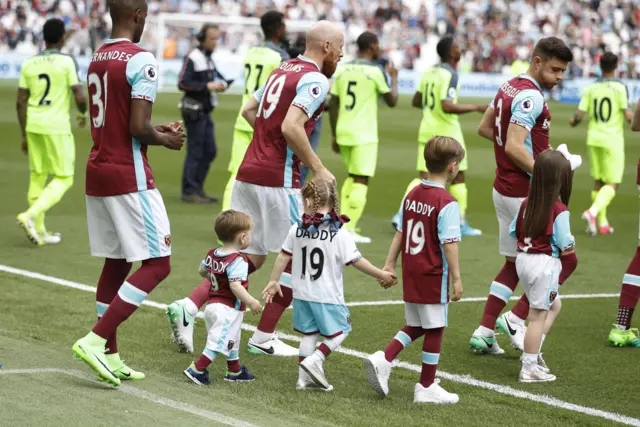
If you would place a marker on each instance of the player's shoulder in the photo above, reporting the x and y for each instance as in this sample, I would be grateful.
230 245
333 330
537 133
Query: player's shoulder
143 55
314 78
619 85
441 198
236 258
446 69
446 197
211 253
343 235
374 70
271 49
142 64
67 60
529 100
122 45
559 207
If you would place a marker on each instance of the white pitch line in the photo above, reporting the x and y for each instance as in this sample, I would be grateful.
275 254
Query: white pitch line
142 394
463 379
86 288
480 299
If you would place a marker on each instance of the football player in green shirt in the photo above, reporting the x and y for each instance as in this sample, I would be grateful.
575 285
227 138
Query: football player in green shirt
44 94
259 62
607 104
437 96
353 112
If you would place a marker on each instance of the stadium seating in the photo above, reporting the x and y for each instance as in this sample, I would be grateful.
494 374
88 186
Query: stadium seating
493 34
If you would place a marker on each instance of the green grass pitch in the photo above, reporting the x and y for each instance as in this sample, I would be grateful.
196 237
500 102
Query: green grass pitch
39 320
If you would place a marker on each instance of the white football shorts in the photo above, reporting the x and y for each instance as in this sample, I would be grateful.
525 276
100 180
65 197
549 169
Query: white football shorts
506 209
223 329
273 210
132 226
539 275
426 316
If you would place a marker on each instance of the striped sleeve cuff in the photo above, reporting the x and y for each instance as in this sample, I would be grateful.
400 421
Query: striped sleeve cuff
355 258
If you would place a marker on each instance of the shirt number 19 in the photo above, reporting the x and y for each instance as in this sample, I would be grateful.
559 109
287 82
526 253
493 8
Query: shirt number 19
414 240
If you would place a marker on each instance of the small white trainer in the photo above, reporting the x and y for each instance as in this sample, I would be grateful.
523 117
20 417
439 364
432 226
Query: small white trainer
305 382
378 372
535 375
434 394
313 366
542 364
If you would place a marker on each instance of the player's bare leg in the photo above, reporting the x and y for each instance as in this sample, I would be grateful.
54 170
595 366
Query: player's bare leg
353 205
92 348
49 197
622 335
540 322
428 390
483 338
458 189
113 275
264 339
596 215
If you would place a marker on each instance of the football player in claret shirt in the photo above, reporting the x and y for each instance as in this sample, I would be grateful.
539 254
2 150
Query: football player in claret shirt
259 63
126 215
227 271
546 256
320 247
622 335
428 235
282 113
518 122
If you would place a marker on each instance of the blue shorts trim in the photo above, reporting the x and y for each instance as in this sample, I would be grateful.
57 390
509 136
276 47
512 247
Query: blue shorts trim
329 320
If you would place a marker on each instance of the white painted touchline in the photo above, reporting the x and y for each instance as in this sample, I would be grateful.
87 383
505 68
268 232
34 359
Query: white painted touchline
481 299
463 379
142 394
